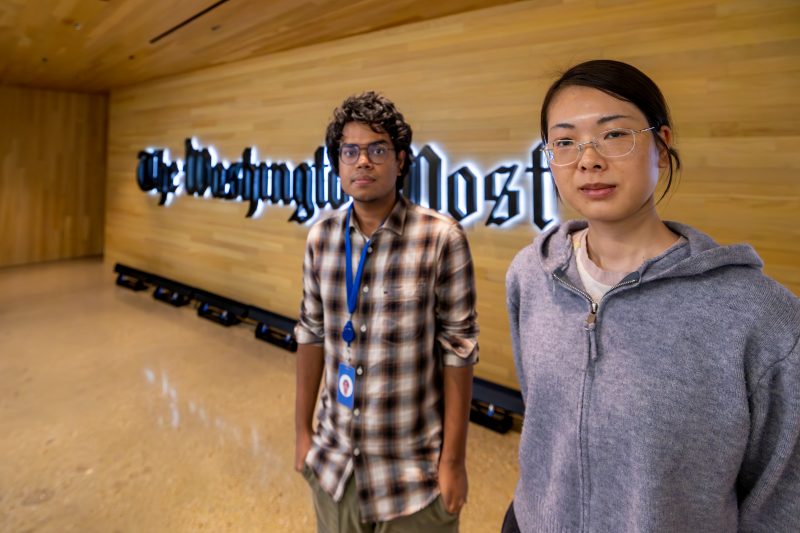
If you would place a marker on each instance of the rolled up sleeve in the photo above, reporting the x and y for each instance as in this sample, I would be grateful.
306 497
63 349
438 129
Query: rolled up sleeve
310 329
456 317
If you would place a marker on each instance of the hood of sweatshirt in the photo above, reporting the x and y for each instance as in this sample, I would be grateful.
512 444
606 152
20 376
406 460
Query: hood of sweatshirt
698 255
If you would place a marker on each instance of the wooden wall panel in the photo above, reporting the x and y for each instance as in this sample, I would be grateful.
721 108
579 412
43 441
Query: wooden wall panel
472 83
52 175
92 46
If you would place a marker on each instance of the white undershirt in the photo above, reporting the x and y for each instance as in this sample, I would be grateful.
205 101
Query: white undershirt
596 281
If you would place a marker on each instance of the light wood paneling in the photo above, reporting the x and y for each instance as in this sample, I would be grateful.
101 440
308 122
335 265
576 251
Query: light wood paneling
52 175
94 45
472 84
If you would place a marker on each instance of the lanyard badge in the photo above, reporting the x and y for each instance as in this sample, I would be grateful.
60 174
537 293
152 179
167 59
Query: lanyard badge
346 384
353 284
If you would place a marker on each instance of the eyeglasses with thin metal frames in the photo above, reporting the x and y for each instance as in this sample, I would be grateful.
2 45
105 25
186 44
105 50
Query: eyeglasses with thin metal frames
603 143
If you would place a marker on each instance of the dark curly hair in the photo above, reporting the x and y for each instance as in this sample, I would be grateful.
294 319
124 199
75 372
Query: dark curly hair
381 115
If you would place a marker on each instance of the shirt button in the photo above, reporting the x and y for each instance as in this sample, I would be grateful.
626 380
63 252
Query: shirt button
369 250
363 328
360 370
356 412
356 452
366 288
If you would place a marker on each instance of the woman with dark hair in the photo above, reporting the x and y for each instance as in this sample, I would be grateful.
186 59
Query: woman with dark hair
660 370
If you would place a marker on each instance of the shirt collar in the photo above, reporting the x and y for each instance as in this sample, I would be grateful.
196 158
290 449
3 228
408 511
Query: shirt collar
396 220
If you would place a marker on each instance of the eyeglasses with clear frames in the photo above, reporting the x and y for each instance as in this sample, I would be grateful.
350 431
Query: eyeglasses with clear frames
617 142
377 153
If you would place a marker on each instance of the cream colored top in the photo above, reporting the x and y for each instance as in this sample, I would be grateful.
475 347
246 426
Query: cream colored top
596 281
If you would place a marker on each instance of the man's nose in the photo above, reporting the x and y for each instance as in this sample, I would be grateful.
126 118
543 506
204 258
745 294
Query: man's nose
363 158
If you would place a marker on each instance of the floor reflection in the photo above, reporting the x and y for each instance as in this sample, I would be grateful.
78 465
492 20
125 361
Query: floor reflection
188 427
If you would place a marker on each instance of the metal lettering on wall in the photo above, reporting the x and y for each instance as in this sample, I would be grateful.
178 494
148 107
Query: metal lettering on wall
312 186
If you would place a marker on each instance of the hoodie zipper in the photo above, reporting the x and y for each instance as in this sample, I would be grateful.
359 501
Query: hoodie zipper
588 381
594 307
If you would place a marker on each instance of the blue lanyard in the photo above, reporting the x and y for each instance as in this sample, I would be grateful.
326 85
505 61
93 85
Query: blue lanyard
348 333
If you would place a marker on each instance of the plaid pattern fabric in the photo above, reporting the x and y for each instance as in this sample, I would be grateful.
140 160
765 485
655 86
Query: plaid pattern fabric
415 314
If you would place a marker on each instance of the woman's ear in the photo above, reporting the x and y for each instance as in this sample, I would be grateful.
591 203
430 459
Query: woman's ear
665 133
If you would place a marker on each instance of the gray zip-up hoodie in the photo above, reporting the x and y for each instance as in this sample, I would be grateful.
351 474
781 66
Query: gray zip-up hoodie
674 407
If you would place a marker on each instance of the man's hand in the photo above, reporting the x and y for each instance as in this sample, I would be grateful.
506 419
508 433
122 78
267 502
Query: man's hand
453 485
310 360
452 462
302 443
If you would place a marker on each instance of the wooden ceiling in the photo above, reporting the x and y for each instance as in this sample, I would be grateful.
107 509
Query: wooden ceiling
95 45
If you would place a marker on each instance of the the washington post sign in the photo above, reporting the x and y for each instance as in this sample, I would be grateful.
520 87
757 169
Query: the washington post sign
499 198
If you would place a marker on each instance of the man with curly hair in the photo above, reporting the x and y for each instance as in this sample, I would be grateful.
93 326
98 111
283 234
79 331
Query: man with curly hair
388 317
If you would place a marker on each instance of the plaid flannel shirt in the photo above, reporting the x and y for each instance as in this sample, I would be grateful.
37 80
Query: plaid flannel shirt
415 314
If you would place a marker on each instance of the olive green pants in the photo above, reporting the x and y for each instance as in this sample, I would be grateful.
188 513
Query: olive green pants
344 517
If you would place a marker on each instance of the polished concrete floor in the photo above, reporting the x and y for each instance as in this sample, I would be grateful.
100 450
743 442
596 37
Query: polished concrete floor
119 413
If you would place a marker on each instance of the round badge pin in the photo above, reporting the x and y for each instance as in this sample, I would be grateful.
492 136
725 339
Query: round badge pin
346 386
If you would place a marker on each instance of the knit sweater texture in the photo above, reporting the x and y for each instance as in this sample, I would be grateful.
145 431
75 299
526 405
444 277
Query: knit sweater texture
674 408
